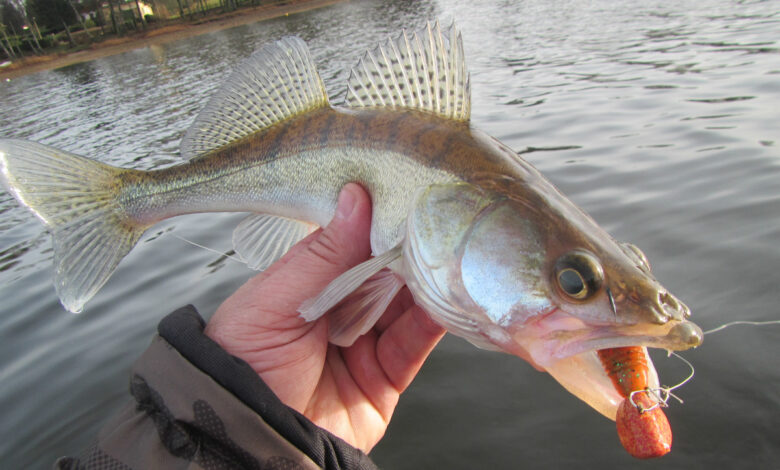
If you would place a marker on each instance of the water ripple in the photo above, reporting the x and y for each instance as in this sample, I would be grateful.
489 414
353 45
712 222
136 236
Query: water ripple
658 118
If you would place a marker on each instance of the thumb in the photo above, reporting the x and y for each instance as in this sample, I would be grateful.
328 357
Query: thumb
310 265
344 242
262 313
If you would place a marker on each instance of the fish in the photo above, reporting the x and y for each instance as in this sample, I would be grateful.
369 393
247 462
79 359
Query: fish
488 247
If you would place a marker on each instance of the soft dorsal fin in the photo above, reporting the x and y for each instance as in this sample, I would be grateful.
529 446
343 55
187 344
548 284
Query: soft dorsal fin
275 83
424 70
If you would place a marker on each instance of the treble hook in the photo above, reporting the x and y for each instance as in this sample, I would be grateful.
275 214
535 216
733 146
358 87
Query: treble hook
662 394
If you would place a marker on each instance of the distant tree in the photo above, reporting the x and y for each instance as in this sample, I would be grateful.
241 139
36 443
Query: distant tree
52 14
17 28
202 7
79 18
5 45
10 19
181 9
140 14
229 5
11 16
117 26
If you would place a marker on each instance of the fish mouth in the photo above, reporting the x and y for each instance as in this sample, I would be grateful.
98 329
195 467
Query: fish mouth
568 350
672 336
584 376
559 335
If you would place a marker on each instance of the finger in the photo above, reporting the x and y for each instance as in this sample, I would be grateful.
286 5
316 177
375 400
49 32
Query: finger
367 373
362 414
403 347
339 246
402 302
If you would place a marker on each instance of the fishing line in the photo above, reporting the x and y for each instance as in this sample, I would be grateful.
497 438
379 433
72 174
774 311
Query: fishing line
663 394
742 322
207 248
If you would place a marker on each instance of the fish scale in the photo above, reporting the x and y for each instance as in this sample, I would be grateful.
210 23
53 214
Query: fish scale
393 144
487 246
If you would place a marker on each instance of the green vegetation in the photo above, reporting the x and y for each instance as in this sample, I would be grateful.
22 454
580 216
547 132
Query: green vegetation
38 27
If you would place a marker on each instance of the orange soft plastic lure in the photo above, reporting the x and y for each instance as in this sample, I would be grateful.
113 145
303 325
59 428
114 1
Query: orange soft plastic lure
642 427
626 367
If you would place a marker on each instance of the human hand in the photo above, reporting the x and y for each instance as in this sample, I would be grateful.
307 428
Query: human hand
350 391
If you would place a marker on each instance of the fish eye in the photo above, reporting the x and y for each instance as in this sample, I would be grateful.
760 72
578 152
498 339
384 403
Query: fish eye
578 274
572 283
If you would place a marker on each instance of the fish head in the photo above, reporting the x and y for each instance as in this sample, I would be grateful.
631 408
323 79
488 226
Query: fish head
535 277
611 297
605 296
603 280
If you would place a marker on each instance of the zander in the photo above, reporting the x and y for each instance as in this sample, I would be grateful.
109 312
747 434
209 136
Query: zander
487 245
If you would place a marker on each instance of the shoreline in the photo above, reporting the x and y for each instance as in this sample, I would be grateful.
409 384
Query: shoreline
161 35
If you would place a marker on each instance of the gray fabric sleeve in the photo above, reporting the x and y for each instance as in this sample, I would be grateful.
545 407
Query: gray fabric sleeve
196 407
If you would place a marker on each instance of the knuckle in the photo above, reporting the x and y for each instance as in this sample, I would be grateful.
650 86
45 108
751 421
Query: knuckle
328 249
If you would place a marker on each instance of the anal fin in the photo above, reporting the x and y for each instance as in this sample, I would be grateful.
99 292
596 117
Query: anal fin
261 239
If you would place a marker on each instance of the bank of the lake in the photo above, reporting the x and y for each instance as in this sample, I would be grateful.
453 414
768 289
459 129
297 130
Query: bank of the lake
658 118
159 34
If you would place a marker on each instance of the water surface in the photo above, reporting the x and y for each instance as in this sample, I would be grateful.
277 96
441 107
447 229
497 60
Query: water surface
658 118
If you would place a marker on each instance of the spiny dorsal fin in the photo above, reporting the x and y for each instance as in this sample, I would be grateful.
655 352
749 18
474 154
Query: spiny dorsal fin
275 83
424 70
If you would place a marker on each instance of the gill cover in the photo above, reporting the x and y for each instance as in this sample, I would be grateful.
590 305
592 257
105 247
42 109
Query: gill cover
474 262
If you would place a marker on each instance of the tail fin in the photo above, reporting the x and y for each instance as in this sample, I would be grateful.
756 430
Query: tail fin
77 199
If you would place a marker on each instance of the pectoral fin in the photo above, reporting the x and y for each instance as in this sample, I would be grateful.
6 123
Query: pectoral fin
364 313
361 309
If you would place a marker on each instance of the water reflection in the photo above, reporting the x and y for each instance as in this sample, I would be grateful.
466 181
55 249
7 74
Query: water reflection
79 74
728 99
10 257
658 119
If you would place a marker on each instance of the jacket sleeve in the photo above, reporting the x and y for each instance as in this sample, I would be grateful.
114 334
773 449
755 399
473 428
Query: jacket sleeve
195 406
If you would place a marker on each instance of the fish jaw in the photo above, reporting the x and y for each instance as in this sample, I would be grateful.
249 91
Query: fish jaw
672 336
585 377
567 348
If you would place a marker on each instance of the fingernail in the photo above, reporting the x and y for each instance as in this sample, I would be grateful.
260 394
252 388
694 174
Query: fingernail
346 204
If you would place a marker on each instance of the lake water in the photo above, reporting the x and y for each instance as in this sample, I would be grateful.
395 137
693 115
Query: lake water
661 119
